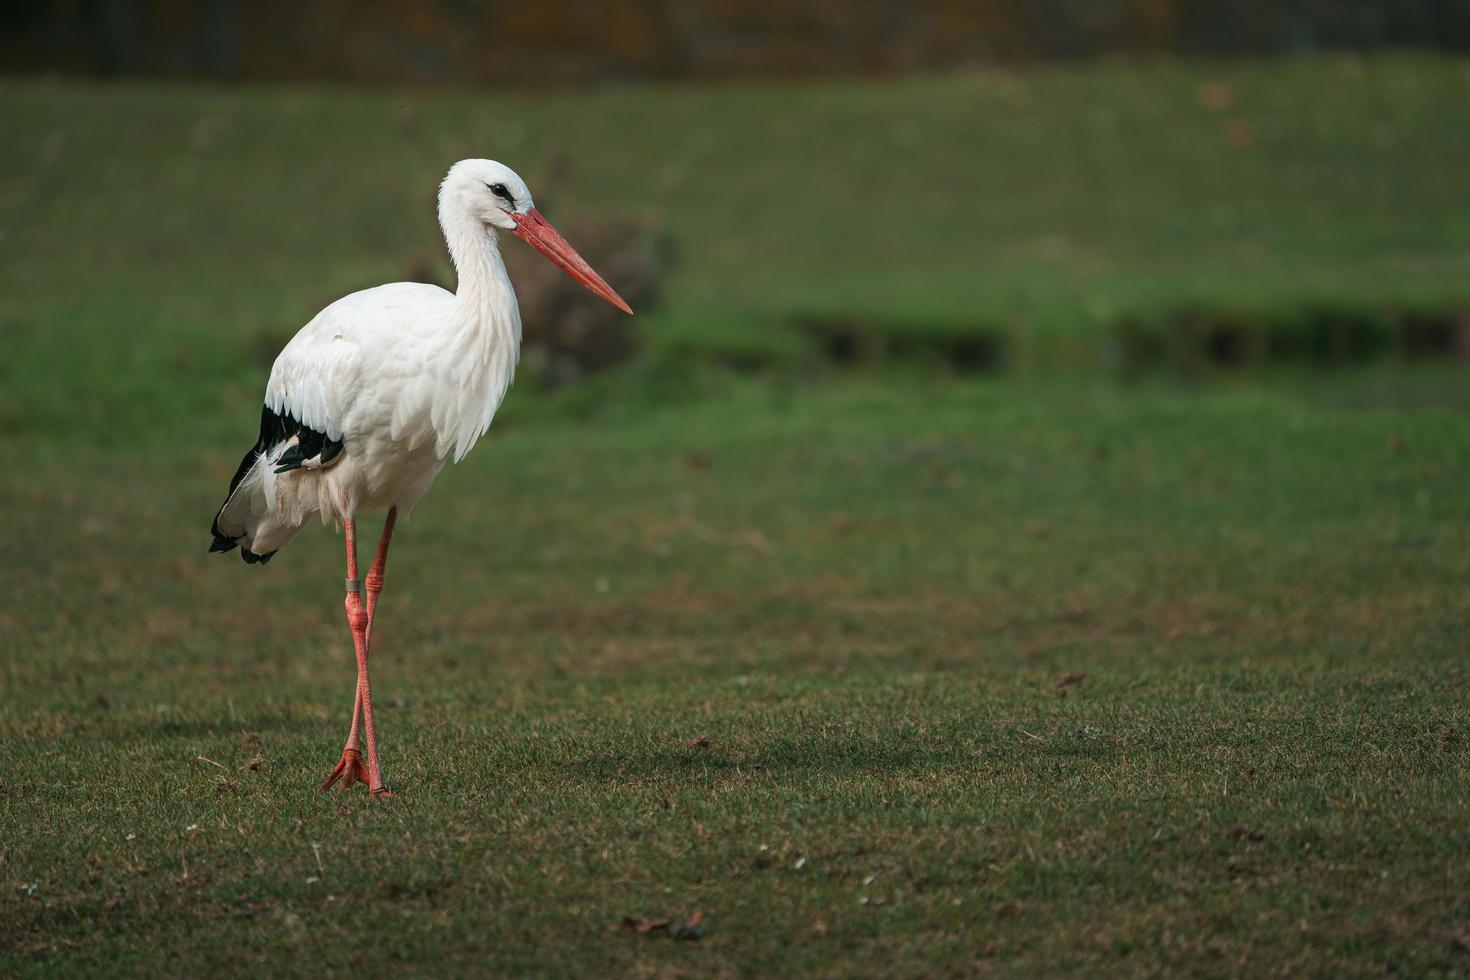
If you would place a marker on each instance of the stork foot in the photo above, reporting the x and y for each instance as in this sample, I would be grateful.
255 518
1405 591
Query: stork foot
351 770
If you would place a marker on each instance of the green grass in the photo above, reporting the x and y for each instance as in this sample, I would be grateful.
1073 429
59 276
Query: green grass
797 650
1044 206
865 600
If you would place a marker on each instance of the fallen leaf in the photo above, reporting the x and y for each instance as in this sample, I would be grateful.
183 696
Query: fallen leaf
686 929
1069 680
690 928
644 924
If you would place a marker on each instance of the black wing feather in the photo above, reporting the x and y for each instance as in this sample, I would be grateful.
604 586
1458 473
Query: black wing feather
309 444
274 430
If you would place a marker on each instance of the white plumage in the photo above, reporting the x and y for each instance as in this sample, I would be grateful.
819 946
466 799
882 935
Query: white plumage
370 399
406 376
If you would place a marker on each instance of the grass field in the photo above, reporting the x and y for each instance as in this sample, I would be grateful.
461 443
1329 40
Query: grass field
1044 207
868 603
885 671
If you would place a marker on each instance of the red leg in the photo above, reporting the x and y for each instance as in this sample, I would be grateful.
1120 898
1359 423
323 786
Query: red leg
375 573
350 768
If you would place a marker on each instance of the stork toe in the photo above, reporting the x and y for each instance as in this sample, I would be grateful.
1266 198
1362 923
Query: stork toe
350 769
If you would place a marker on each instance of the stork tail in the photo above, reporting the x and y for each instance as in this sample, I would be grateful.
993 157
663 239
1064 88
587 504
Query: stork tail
284 445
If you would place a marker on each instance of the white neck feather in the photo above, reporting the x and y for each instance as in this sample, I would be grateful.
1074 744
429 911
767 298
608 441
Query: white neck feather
485 335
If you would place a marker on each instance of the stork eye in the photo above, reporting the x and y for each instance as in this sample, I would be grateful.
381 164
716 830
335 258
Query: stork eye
500 191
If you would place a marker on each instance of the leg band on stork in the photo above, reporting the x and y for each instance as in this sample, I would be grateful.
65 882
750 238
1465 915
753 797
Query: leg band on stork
350 768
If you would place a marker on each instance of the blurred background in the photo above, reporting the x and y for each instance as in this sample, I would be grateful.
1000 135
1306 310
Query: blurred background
982 185
580 41
986 351
976 187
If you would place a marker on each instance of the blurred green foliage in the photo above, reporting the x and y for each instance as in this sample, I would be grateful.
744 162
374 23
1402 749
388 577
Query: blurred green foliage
160 243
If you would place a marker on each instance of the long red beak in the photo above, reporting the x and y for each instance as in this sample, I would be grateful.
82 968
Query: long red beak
532 228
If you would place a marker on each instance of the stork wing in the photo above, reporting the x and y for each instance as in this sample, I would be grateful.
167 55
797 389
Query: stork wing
317 377
364 364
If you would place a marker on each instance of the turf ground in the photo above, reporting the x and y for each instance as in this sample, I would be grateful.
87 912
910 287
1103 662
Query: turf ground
881 671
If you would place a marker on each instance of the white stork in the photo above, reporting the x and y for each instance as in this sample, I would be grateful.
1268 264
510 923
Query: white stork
366 404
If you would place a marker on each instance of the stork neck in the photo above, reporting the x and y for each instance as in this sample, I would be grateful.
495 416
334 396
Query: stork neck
484 297
483 339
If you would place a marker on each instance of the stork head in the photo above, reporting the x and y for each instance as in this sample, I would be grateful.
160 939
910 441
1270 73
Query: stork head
495 196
